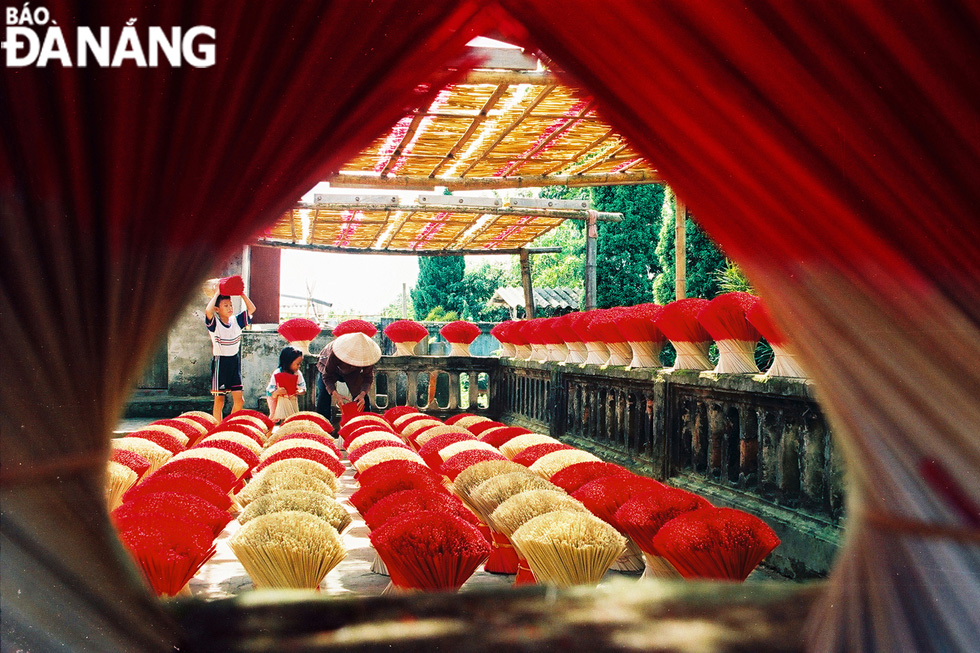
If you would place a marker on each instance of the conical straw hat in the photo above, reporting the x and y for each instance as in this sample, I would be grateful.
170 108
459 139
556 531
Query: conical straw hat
357 349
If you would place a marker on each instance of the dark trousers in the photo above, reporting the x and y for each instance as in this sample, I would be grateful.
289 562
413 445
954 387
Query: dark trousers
324 401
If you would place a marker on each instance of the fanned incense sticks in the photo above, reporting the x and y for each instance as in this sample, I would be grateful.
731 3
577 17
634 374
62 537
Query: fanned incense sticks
498 436
166 440
263 419
460 335
567 548
430 550
430 450
303 467
133 460
408 501
287 549
406 334
784 361
368 447
516 445
153 452
325 440
517 335
185 483
423 437
724 318
562 327
549 464
118 479
642 517
501 333
473 476
637 324
237 438
530 455
377 456
210 470
598 353
299 332
466 421
226 458
553 342
173 504
478 428
575 476
398 411
189 429
310 416
355 326
248 430
319 505
372 436
535 339
368 495
679 323
168 550
317 455
451 450
239 450
280 482
396 468
494 491
196 428
452 467
721 543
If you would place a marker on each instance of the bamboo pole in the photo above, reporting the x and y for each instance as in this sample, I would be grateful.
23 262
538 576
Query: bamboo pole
281 244
341 180
567 214
591 235
680 248
526 282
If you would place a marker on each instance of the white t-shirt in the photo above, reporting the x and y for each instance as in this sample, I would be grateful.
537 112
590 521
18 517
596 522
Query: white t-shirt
226 338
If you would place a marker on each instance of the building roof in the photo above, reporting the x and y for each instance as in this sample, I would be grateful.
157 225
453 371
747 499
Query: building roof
554 298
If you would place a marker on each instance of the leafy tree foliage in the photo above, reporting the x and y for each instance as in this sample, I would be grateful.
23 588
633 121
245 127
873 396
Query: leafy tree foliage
705 261
626 259
478 287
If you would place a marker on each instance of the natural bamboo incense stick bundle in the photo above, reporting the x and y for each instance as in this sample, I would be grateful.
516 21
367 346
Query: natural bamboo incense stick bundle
473 476
118 479
288 549
567 548
550 464
325 440
466 421
377 456
679 323
315 503
248 430
166 440
736 337
282 481
301 466
325 458
454 466
518 444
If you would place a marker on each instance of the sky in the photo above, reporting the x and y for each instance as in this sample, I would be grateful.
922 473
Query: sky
361 284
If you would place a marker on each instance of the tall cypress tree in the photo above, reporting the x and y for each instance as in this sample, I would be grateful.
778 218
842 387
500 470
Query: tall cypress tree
440 283
626 259
704 259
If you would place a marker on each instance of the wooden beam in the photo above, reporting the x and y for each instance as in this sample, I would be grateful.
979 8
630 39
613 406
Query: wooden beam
601 160
680 249
591 250
526 282
406 139
563 214
489 183
580 153
284 244
498 77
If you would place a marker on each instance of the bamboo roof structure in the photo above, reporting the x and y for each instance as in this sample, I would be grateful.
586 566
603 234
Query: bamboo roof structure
509 125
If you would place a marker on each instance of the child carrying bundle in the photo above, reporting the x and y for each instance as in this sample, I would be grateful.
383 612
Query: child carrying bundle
285 385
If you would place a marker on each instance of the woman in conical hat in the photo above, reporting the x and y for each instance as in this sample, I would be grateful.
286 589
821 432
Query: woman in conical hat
349 358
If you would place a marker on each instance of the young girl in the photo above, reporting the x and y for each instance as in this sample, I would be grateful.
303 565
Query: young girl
285 385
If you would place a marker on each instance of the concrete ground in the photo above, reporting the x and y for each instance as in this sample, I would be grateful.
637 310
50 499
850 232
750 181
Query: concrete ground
223 576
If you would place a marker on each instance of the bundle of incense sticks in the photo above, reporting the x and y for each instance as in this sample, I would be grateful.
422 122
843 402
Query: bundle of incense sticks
405 334
603 327
535 339
562 326
724 318
460 335
554 343
679 323
518 336
598 353
299 332
637 325
502 333
784 362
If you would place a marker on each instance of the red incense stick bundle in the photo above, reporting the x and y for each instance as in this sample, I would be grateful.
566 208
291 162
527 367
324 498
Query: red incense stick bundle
517 333
395 412
355 326
460 335
452 467
430 450
408 501
430 550
598 353
173 504
168 550
575 476
637 324
530 455
368 495
231 286
406 334
502 333
679 323
720 543
165 440
784 361
299 332
210 470
724 318
554 343
132 460
603 327
562 326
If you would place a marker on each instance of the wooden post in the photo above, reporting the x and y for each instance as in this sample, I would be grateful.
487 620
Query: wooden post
526 282
404 301
680 248
591 235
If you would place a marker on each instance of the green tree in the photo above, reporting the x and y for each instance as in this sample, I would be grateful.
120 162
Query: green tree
626 259
440 283
478 286
705 261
